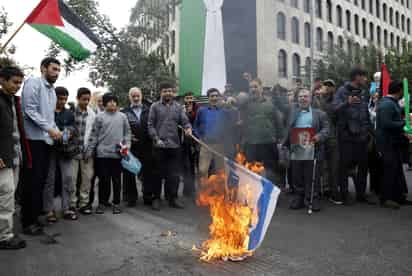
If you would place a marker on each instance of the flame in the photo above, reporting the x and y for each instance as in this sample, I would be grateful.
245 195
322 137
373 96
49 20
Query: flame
231 215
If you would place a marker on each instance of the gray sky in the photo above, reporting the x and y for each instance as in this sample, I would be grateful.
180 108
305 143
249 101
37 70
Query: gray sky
32 45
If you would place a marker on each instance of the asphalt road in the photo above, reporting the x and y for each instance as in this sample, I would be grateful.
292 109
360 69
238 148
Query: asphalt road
355 240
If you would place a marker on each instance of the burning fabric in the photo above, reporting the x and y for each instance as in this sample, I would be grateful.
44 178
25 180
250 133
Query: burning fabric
241 204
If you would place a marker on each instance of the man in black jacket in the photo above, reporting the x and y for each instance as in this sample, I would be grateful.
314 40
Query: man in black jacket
11 150
353 128
137 115
390 140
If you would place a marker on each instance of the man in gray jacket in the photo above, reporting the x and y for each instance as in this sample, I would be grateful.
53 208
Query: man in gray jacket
165 116
306 117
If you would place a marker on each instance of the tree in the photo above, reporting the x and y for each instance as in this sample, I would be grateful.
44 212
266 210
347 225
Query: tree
5 57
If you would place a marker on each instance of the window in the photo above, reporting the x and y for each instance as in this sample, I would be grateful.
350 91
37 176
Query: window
371 6
330 41
371 31
318 8
384 12
397 19
319 39
350 50
385 38
308 41
378 35
307 67
398 43
295 30
364 28
363 4
348 20
391 16
294 3
281 26
282 64
339 15
408 26
329 10
306 6
392 40
296 65
356 19
378 8
402 23
340 42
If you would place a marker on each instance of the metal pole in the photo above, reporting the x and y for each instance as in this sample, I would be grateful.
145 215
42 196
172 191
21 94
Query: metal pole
312 41
3 48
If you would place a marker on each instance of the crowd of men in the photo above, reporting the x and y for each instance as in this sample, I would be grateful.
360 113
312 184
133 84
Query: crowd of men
47 149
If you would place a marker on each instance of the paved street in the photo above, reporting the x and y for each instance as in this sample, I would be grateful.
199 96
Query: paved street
356 240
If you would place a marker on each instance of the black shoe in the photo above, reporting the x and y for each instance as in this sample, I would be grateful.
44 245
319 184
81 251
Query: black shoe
173 203
391 205
131 204
100 209
86 210
297 203
337 200
33 230
405 202
315 205
156 205
13 244
107 204
147 203
116 209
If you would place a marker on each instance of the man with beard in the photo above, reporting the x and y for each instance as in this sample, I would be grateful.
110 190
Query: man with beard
165 117
38 106
353 127
137 115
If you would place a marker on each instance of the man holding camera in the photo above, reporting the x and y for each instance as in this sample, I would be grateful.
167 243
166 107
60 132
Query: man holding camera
353 128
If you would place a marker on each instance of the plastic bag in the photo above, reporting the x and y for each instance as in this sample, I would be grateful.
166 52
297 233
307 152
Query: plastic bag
131 163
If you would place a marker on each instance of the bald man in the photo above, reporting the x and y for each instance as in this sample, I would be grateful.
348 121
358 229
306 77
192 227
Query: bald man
137 115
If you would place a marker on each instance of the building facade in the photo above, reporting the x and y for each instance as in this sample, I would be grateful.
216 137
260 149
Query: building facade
284 32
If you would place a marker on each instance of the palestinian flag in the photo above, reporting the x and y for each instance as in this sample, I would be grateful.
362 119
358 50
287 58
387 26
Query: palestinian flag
218 43
54 19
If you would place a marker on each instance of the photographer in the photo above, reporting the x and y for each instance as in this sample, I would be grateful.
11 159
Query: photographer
353 126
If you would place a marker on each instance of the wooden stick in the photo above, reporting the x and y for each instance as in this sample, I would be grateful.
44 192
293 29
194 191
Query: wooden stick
11 38
200 142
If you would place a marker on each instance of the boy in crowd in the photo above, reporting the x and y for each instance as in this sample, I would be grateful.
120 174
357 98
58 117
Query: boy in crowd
11 148
61 157
84 118
110 136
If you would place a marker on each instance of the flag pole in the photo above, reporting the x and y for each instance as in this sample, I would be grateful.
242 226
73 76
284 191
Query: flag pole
11 38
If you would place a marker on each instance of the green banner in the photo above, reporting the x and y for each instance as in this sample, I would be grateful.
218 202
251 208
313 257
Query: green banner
192 34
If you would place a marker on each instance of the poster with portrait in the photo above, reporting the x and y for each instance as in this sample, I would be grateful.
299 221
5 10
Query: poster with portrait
302 146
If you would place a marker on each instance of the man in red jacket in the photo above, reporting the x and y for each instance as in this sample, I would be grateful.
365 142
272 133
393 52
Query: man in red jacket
11 153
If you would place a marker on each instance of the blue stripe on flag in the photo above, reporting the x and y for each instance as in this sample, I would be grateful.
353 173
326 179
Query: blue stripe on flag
257 235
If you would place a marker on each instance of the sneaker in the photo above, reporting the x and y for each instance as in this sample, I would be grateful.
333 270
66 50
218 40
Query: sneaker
116 209
391 204
316 205
366 200
131 204
173 203
336 200
86 210
156 205
100 209
13 244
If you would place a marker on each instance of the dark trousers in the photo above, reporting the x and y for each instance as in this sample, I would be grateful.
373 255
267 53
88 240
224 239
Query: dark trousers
35 180
302 171
353 155
393 184
93 183
189 164
109 172
330 167
375 170
166 166
266 154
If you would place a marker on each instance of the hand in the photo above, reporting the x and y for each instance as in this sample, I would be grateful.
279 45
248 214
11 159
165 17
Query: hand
316 139
188 132
353 100
55 134
160 143
2 165
409 136
239 123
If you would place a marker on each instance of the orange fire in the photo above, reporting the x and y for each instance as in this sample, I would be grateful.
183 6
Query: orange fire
231 217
